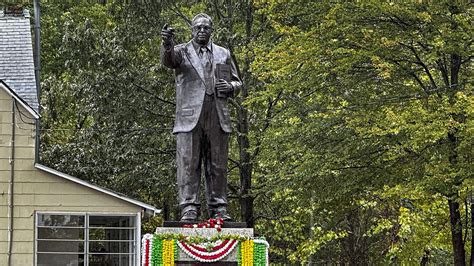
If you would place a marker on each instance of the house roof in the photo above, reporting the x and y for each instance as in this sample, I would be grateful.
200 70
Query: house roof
150 209
19 99
16 56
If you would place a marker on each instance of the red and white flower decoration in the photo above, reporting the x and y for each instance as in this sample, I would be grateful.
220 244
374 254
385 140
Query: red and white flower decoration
219 250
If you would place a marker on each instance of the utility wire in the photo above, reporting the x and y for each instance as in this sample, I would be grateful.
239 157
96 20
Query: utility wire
108 129
21 115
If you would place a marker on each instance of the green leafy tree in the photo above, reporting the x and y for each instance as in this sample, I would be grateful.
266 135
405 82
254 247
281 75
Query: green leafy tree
353 141
375 94
108 104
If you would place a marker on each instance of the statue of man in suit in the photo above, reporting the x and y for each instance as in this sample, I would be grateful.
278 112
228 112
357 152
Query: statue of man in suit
202 124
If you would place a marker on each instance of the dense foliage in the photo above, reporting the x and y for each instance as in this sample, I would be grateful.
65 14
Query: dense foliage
377 117
354 131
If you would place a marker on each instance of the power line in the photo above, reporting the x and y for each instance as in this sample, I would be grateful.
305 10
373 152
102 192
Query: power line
107 129
21 115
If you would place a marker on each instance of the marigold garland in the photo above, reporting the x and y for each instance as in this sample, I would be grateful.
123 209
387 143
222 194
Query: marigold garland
246 251
253 252
168 252
157 251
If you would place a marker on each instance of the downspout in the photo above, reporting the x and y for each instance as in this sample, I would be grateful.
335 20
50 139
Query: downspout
37 54
10 187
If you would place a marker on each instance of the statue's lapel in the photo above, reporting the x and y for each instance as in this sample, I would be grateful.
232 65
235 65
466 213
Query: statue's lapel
215 56
194 59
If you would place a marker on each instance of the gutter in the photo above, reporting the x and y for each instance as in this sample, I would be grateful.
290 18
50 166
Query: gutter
10 186
37 57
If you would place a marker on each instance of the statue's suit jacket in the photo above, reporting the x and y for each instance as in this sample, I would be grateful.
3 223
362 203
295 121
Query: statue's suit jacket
190 85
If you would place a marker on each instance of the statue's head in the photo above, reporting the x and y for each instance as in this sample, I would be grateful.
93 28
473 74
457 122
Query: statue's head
201 28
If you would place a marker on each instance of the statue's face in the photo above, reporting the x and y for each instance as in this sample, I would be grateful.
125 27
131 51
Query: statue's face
202 30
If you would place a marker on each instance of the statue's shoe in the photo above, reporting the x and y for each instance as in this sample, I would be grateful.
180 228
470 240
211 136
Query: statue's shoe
189 216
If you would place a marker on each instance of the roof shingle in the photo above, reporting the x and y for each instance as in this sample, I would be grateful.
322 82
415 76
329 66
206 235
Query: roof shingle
16 57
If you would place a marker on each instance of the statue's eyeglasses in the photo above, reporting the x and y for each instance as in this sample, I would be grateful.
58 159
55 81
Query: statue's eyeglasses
204 28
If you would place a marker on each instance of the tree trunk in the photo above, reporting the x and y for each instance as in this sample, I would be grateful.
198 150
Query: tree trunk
425 259
456 233
166 211
245 169
246 199
245 160
351 249
472 229
454 214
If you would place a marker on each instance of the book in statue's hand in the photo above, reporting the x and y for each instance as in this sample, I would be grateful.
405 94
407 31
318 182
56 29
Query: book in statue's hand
223 72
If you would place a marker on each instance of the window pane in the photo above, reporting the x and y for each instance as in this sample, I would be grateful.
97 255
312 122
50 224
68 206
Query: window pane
60 220
60 246
61 233
110 260
111 221
111 234
110 247
60 260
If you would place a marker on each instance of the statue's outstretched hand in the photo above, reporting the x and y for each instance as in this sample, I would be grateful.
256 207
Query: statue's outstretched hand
167 35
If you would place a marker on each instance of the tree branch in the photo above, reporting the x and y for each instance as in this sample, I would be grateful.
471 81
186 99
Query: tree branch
444 72
421 63
217 10
154 95
411 73
267 122
175 9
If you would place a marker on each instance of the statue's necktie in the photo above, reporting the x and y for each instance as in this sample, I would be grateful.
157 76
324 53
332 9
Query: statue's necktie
205 56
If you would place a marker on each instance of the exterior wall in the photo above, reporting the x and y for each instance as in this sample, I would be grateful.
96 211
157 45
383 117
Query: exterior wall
35 190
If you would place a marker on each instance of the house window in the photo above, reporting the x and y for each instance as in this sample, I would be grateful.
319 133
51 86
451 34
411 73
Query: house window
87 239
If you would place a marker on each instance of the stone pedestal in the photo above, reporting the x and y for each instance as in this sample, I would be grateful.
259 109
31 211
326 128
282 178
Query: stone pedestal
184 259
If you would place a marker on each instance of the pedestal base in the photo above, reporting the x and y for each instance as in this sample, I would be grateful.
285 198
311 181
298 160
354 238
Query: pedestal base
224 246
185 259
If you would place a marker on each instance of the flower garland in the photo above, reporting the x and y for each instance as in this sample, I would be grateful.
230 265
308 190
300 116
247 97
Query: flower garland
246 253
168 252
260 252
253 252
202 254
164 249
157 251
146 249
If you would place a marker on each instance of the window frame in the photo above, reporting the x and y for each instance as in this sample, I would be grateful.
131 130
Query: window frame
135 243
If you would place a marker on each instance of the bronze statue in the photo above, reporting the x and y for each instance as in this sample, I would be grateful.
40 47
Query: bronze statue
206 77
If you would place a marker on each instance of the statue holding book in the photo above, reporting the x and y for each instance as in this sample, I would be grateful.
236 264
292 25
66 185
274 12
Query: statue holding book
206 77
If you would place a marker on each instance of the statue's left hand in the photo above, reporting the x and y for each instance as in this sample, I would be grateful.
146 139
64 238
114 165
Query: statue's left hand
224 89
